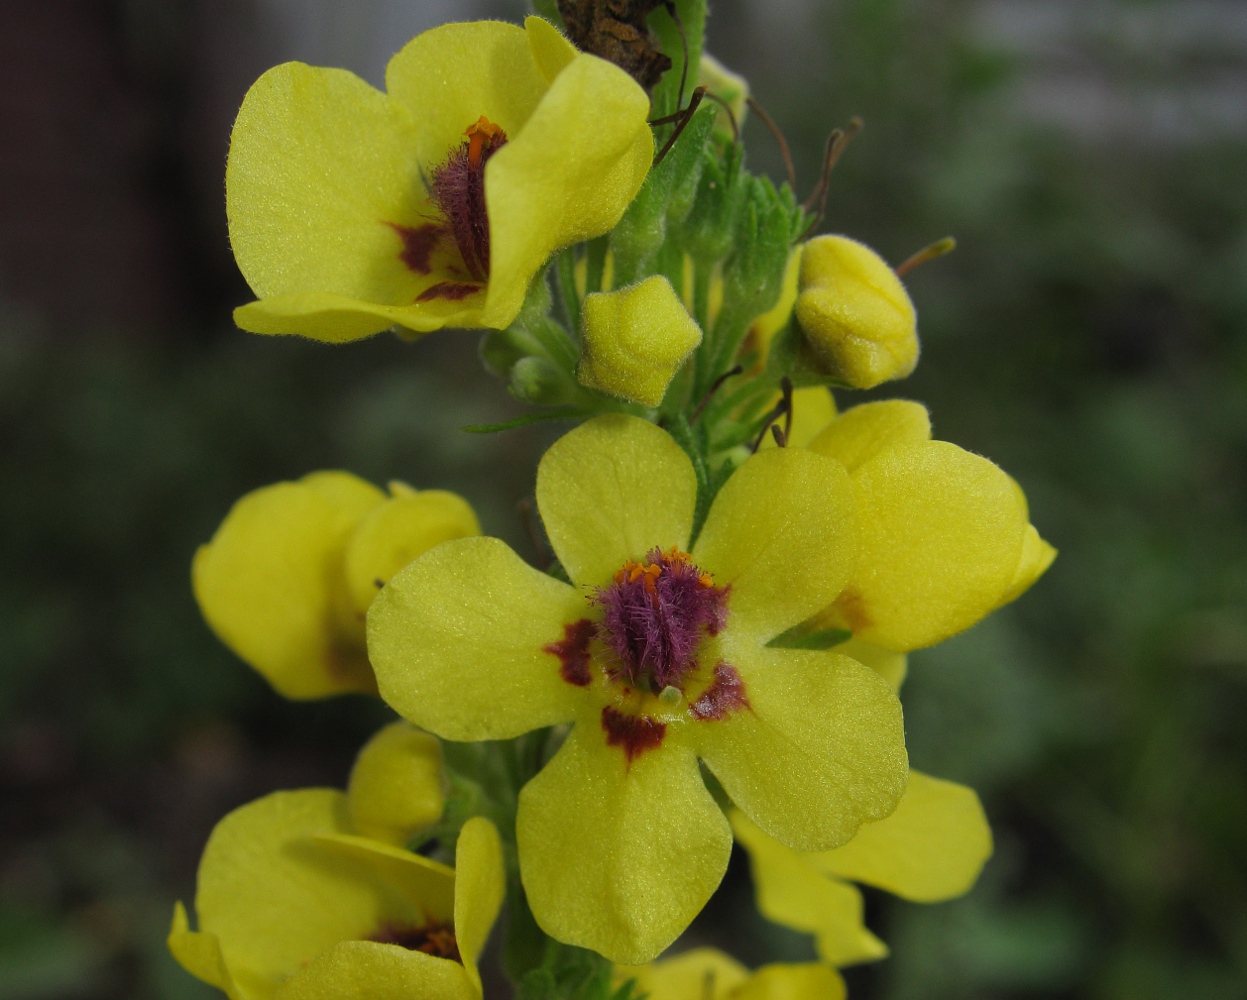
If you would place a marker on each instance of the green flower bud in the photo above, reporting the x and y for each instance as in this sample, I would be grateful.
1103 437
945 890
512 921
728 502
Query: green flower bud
635 339
856 315
537 381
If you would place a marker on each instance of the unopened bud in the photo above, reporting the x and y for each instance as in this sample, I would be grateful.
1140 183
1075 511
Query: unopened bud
856 315
635 339
537 381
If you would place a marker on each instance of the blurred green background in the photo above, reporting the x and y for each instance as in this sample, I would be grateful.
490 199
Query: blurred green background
1090 334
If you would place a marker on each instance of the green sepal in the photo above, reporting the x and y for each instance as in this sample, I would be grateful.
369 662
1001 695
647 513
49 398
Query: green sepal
706 232
569 973
692 14
801 637
664 200
790 357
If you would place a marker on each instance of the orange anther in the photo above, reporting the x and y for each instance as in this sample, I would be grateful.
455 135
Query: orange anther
705 580
478 132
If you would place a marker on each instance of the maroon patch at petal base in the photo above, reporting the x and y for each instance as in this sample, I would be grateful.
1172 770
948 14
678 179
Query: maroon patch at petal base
452 290
725 695
573 651
419 243
635 733
435 938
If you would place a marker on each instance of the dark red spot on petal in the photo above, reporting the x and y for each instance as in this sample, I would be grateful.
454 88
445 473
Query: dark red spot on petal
573 651
434 938
725 695
635 733
419 242
452 290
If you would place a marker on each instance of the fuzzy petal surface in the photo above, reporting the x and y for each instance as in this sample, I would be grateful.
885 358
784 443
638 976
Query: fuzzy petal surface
932 848
480 887
567 176
366 970
862 432
282 880
941 540
619 857
395 789
449 76
782 534
551 51
1037 556
610 491
270 584
395 532
819 752
320 167
199 954
457 642
889 665
791 891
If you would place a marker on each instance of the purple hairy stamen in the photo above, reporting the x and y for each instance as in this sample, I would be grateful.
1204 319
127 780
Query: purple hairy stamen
655 616
457 188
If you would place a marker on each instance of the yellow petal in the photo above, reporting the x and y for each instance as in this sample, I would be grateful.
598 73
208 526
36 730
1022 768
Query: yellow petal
395 788
820 751
566 176
619 857
320 167
782 534
393 533
200 955
804 981
892 667
449 76
1037 556
634 340
365 970
941 539
610 491
480 887
339 318
862 432
791 892
270 585
277 888
551 51
932 848
457 640
697 974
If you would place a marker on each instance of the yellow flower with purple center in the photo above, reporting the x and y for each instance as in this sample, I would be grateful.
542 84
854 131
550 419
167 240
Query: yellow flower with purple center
435 202
657 654
294 904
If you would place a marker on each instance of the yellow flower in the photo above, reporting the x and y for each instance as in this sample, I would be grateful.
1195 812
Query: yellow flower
635 339
287 578
659 657
932 848
708 974
396 786
432 204
293 905
944 534
856 315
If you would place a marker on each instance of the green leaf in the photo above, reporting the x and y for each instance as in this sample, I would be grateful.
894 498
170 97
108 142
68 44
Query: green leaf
692 14
799 637
558 413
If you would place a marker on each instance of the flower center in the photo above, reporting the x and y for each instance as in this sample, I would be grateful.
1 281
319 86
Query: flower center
655 616
434 938
457 188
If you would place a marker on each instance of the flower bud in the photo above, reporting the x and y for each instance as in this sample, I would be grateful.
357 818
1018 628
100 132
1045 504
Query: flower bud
537 381
856 315
635 339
